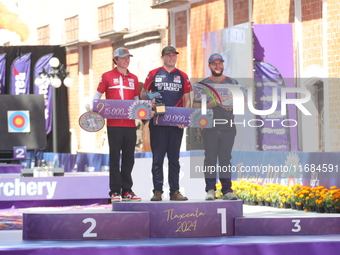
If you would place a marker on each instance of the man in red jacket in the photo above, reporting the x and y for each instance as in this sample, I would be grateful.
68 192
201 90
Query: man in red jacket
120 84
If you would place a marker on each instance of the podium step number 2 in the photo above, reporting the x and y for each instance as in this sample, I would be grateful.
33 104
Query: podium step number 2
19 152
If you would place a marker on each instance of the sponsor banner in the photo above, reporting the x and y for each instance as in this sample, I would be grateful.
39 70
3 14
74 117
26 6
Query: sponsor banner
189 117
45 89
85 170
53 188
272 135
274 68
2 73
123 109
20 75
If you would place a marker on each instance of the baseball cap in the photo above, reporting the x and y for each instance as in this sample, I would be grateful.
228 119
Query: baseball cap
214 57
121 52
169 49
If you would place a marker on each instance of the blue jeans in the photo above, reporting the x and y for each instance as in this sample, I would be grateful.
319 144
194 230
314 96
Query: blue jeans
165 140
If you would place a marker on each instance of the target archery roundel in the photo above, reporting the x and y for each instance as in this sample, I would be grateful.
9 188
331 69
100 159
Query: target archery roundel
18 121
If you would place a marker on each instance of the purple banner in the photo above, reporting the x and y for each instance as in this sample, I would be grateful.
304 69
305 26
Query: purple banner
274 61
53 188
20 75
122 109
272 135
2 73
10 168
45 88
189 117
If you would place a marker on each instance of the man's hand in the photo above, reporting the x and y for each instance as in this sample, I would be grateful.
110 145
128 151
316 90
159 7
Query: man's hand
88 107
152 114
227 108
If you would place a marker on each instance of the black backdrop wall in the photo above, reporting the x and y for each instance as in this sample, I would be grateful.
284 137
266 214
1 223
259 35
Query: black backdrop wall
61 104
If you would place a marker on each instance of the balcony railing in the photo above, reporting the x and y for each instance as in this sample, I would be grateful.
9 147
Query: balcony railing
166 4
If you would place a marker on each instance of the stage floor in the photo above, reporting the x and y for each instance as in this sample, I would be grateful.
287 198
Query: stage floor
11 241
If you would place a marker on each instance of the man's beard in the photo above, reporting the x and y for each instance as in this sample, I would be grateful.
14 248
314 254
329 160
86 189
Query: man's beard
216 74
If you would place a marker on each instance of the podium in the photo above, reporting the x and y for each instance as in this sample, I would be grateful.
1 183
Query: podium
175 219
132 220
188 218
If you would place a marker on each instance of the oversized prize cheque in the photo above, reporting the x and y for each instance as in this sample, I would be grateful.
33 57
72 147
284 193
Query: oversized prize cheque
197 117
189 117
93 121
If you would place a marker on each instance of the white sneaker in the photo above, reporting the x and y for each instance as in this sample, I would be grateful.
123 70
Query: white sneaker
210 195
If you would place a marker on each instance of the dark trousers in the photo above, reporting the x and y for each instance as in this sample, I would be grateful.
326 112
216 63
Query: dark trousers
165 140
218 144
121 140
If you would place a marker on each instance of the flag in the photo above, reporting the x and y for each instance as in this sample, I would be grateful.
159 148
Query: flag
20 75
2 73
45 88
